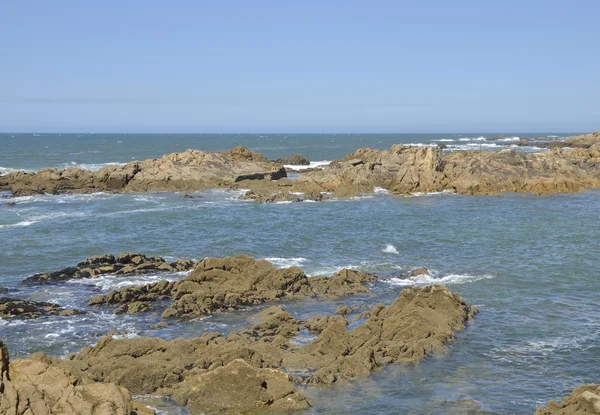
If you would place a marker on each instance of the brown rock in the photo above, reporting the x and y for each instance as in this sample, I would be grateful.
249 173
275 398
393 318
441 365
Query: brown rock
418 271
342 283
242 387
13 307
583 400
343 309
296 160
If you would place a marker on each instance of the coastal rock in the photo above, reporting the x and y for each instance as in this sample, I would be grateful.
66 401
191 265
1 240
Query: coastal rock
219 285
266 196
295 160
419 322
418 271
583 400
190 170
124 264
13 307
43 386
241 387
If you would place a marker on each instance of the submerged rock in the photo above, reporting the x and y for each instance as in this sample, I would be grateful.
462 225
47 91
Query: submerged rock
43 386
13 307
583 400
125 264
190 170
418 271
219 285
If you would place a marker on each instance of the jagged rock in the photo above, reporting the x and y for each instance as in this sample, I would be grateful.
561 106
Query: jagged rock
43 386
218 285
190 170
240 387
13 307
583 400
131 308
125 264
418 271
419 322
296 160
342 283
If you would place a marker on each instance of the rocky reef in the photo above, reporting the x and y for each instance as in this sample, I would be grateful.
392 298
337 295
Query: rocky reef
583 400
570 165
187 171
127 263
14 307
226 284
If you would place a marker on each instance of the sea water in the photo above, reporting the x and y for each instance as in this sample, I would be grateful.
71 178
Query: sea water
530 264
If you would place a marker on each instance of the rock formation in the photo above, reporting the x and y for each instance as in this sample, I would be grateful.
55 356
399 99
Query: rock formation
124 264
43 386
295 160
225 284
583 400
14 307
187 171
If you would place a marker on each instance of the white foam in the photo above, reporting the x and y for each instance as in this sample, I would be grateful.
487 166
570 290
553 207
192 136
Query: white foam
509 139
286 262
444 139
112 282
390 249
381 190
7 170
19 224
92 166
443 192
312 165
447 279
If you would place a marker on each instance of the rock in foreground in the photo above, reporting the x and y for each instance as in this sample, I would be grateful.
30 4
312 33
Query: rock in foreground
124 264
44 386
584 400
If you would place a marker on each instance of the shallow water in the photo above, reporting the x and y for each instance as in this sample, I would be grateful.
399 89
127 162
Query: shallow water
530 264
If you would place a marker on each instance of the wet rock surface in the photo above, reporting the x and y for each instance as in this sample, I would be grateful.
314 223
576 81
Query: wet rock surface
583 400
41 385
17 308
124 264
250 371
295 160
219 285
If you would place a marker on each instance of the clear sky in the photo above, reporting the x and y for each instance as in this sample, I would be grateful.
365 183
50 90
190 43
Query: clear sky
299 66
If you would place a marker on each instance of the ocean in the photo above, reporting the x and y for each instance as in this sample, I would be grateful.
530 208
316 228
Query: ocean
530 264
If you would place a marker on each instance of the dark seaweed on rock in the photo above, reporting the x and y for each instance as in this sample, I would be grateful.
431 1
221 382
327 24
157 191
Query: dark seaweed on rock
14 307
124 264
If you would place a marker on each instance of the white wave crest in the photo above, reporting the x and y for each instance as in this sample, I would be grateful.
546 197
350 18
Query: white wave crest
91 166
286 262
381 190
390 249
112 282
19 224
312 165
447 279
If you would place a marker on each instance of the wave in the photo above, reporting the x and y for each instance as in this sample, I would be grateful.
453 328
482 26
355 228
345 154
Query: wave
443 192
111 282
429 279
91 166
7 170
380 190
19 224
390 249
286 262
312 165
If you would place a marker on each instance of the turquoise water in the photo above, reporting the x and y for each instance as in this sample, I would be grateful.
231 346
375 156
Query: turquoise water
531 264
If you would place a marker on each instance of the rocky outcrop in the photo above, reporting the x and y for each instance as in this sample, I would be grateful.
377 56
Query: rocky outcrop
419 322
187 171
14 307
266 196
295 160
125 264
583 400
44 386
218 285
241 387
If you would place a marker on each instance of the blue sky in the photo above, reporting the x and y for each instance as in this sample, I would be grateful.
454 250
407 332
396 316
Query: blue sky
299 66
